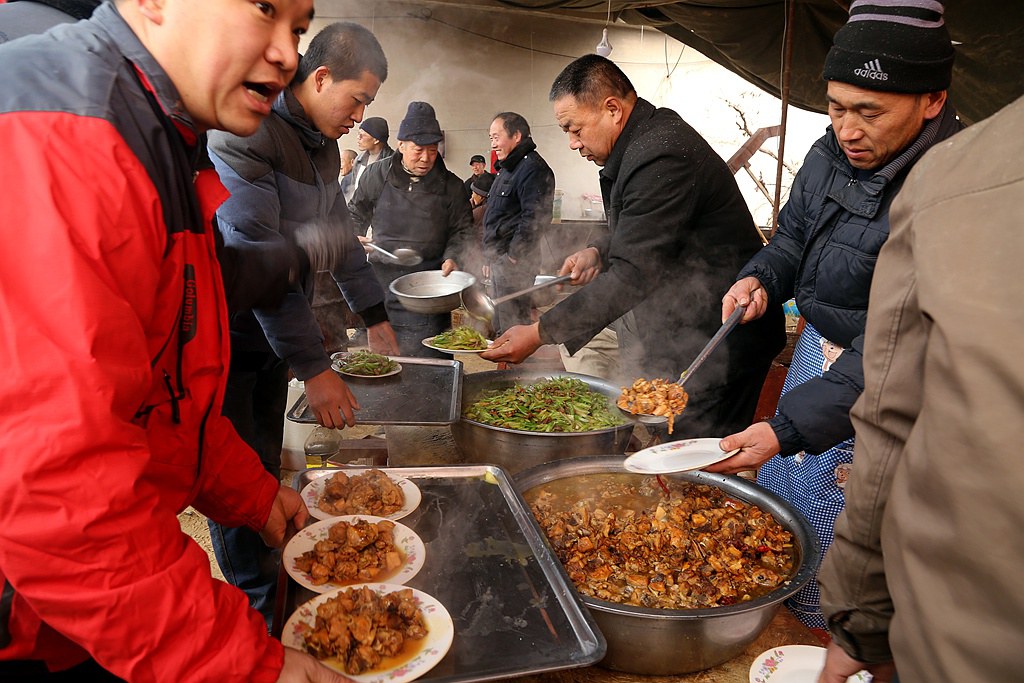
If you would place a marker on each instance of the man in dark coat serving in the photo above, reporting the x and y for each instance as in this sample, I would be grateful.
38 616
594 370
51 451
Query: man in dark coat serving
677 226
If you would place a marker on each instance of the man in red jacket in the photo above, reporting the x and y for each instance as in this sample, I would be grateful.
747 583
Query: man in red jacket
110 399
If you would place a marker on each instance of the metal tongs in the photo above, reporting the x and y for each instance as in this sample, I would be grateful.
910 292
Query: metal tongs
730 322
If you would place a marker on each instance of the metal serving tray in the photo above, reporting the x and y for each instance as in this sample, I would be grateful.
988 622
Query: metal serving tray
427 391
486 561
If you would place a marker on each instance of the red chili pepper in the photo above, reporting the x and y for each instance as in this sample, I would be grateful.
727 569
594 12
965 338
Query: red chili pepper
763 549
662 485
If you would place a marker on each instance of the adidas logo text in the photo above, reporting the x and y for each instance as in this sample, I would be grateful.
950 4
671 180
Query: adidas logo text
872 69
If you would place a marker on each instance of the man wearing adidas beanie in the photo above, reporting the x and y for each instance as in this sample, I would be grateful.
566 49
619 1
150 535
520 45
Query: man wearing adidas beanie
887 75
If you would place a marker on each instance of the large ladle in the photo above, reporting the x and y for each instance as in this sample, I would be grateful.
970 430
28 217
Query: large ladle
686 374
403 257
481 306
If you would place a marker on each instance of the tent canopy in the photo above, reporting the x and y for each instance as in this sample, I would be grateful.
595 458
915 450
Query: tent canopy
747 37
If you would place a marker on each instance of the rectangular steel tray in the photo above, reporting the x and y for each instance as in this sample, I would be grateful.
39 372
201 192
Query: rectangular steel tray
428 391
486 561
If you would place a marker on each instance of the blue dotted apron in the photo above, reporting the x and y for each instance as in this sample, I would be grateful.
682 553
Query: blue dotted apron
812 483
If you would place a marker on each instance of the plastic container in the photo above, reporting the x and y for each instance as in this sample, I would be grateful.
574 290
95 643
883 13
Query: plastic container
293 445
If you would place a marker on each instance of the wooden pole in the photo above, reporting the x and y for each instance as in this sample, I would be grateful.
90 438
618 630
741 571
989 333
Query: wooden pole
787 60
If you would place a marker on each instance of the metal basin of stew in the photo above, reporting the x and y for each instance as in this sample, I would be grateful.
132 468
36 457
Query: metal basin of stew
515 449
654 641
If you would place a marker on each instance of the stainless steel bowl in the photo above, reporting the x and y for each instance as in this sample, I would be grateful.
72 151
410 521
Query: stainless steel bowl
669 642
516 449
429 291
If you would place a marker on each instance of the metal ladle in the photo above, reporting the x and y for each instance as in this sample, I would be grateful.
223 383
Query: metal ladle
481 306
403 257
686 374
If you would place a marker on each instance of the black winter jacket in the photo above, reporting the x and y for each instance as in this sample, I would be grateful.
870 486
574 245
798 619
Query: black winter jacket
440 228
519 206
679 231
824 253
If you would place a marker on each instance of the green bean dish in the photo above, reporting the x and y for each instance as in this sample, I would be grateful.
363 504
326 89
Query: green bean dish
460 338
367 364
558 404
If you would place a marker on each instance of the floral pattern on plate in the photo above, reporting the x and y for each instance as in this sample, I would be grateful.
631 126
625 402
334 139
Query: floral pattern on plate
312 491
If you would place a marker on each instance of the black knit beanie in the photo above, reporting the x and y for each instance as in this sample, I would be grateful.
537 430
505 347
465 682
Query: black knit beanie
376 128
894 46
420 125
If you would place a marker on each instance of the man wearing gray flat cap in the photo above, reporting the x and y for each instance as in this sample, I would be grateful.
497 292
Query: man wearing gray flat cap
414 202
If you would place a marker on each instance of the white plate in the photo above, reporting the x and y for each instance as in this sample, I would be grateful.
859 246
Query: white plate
794 664
677 456
406 541
432 649
338 359
428 342
312 491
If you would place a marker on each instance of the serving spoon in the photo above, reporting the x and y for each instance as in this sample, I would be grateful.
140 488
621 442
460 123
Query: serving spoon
726 328
403 257
481 306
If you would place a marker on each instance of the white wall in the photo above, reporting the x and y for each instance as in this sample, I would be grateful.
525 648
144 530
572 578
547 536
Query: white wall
472 63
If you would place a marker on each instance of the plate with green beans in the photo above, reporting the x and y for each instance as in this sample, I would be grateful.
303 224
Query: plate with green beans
365 364
458 340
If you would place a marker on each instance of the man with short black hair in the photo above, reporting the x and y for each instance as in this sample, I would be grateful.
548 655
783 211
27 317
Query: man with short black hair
281 179
519 209
126 358
678 230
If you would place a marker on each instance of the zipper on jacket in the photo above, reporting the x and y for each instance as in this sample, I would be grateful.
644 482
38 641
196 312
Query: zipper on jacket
175 409
6 600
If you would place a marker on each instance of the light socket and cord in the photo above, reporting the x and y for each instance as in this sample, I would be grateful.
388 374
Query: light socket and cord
604 48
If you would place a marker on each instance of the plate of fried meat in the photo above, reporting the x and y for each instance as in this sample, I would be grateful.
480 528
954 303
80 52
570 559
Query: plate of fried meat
373 632
372 492
353 549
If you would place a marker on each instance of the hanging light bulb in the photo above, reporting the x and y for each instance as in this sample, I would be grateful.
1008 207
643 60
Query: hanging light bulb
604 48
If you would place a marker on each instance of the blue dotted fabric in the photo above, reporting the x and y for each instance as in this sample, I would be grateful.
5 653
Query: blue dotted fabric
809 481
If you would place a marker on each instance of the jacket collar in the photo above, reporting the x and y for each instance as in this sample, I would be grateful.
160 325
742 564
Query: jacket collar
107 18
642 112
525 146
288 107
864 198
433 181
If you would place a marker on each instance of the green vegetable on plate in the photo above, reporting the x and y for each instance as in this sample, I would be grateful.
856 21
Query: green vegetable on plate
367 363
560 404
460 338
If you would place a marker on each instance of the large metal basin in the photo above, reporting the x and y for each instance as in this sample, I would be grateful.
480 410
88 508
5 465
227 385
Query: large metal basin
516 449
429 291
670 642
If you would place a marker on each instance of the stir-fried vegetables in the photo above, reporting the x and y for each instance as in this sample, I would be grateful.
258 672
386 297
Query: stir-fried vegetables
367 363
465 338
560 404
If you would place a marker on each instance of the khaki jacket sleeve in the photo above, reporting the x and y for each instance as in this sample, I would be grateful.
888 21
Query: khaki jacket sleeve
854 596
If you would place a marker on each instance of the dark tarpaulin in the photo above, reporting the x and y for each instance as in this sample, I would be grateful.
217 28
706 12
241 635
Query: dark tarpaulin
746 37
